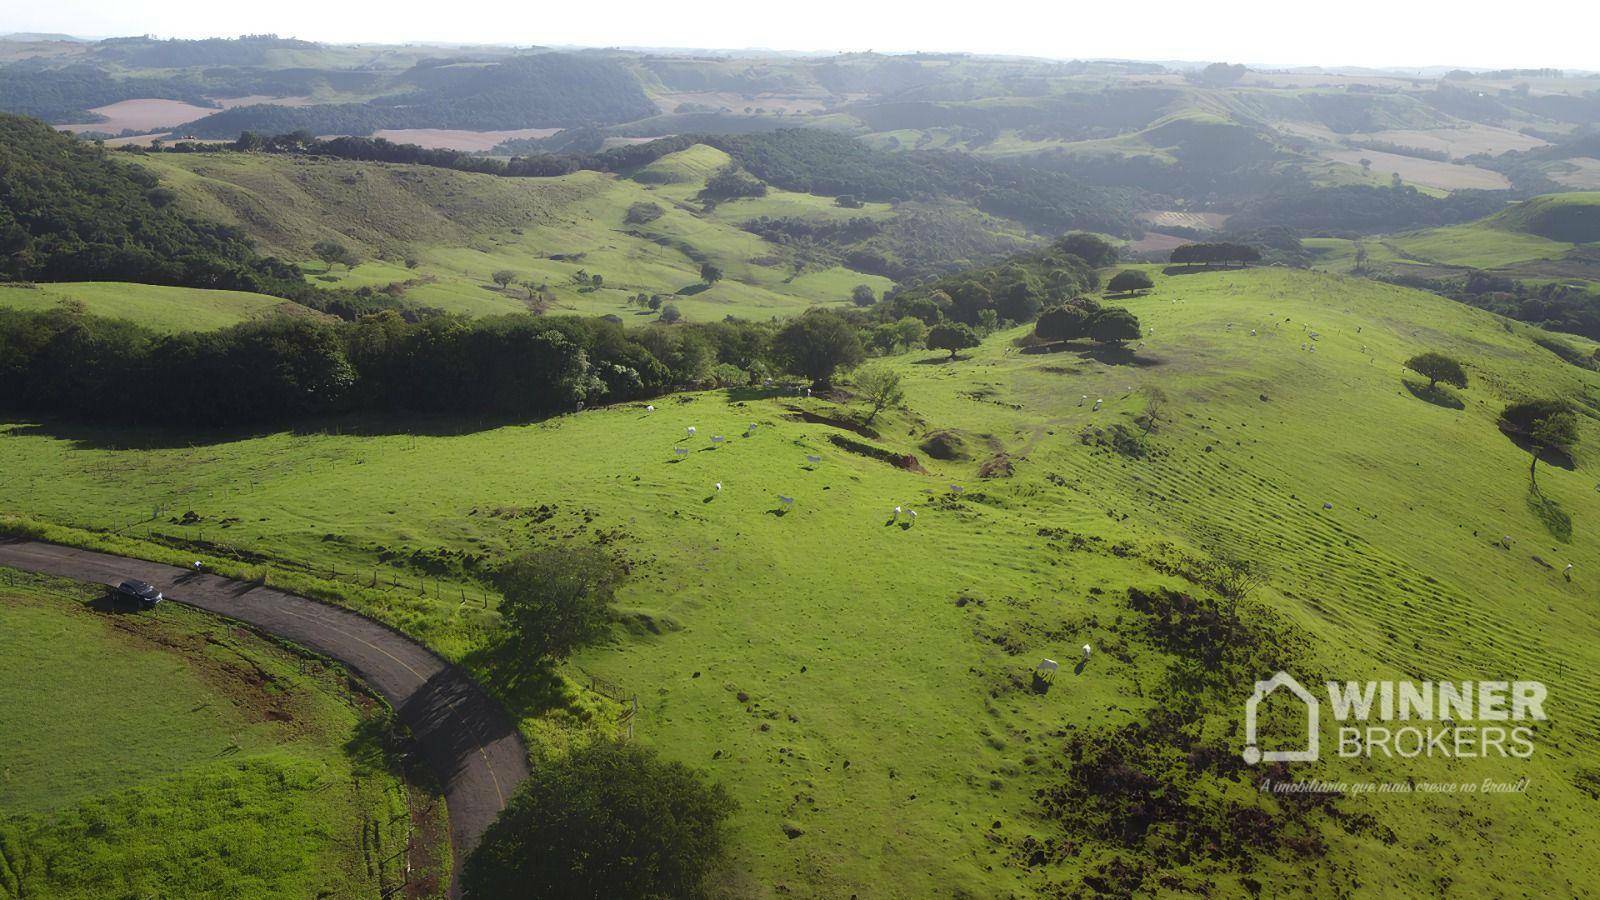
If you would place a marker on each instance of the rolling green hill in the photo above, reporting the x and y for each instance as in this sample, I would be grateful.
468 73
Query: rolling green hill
165 309
860 682
1569 218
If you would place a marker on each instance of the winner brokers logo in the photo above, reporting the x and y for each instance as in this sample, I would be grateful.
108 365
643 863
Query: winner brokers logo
1419 718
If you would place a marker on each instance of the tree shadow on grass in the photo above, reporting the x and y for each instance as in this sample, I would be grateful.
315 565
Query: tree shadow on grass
1550 514
527 687
941 360
1437 394
122 436
1118 354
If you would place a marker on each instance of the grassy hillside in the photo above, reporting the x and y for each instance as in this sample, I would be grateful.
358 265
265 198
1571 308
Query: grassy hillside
160 308
152 755
438 235
1571 218
861 684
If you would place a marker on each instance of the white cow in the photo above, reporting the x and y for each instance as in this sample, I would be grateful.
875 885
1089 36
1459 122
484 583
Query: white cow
1046 669
690 429
1088 651
650 408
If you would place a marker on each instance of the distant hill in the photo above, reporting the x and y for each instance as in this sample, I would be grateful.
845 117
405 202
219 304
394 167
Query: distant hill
1572 218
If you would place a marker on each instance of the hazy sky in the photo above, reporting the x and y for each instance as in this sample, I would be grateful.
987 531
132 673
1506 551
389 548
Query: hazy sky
1414 33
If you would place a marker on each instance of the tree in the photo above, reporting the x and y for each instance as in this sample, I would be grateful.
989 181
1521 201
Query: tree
557 599
710 274
1437 367
1129 280
817 343
670 313
1114 325
504 277
1544 425
881 387
861 295
609 820
952 336
332 252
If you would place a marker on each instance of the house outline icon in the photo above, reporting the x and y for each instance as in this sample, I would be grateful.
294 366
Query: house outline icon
1254 754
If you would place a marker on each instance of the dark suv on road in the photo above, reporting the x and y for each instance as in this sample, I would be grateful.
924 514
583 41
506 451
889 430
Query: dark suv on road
136 593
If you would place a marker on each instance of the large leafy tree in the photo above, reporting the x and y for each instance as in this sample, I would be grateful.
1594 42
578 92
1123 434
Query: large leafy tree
952 336
1437 367
817 344
557 599
1544 425
610 820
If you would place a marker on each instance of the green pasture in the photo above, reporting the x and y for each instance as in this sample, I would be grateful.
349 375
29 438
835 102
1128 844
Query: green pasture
160 308
860 682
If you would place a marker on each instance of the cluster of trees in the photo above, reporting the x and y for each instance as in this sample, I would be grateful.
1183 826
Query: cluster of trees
1084 317
832 164
1013 291
1363 209
543 90
1215 252
277 370
69 212
1553 306
731 183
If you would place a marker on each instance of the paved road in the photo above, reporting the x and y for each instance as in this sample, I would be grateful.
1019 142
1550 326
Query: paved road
466 738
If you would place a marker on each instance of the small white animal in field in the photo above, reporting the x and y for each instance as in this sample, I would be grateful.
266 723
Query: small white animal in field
1567 571
1505 541
788 502
897 512
719 485
690 429
1097 405
1084 399
1088 651
1252 332
716 439
1046 669
913 514
197 565
813 458
681 451
650 408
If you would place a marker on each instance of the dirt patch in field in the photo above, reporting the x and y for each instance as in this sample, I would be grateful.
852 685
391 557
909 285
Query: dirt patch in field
141 115
229 659
999 465
905 461
1426 172
1172 218
946 445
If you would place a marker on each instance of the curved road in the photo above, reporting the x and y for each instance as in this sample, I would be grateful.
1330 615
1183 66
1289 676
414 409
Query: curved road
466 738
